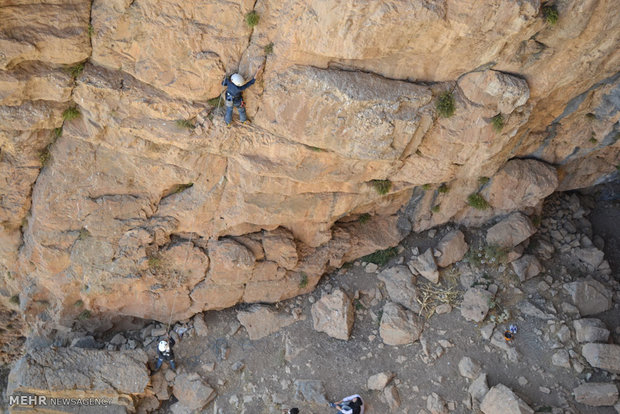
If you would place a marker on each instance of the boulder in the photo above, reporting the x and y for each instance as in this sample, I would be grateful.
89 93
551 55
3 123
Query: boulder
399 326
527 267
311 391
279 246
436 404
479 388
596 394
392 396
590 330
603 356
334 315
590 255
469 368
200 326
521 183
191 391
511 231
501 399
378 381
452 247
261 321
561 358
79 373
476 303
400 285
425 265
589 296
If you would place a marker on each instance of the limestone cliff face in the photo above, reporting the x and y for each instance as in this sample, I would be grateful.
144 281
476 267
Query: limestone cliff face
123 210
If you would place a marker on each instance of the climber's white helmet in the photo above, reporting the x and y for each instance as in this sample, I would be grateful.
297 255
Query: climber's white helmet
237 79
163 346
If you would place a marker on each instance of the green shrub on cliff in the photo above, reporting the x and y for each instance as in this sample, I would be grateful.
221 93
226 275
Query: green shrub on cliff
381 186
252 18
445 104
71 113
476 201
498 122
550 13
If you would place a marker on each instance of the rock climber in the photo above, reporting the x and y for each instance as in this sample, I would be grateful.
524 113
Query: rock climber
235 85
352 404
165 353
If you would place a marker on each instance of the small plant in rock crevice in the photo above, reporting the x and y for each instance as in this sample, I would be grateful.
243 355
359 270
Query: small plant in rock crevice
185 123
252 18
382 187
364 218
85 314
426 187
435 209
76 70
56 132
381 257
550 13
445 104
268 48
443 188
303 282
498 122
71 113
483 180
78 303
478 202
14 300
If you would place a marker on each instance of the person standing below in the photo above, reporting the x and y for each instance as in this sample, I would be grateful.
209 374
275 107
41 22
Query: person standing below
235 85
353 404
165 353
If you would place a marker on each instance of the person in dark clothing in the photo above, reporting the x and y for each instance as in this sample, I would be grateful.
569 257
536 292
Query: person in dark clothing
234 87
352 404
165 353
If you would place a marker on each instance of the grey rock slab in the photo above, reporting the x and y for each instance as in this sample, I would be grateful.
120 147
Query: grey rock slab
596 394
590 330
400 285
502 400
603 356
589 296
475 305
311 391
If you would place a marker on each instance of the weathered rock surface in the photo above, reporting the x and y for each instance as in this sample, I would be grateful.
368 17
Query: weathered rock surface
191 391
527 267
511 231
603 356
590 330
596 394
81 373
378 381
425 266
479 388
452 247
261 321
469 368
399 326
475 305
436 404
334 315
311 391
126 202
501 399
400 285
589 296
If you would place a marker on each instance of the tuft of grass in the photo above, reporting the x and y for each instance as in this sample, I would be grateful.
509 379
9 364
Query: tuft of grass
303 282
78 303
14 300
84 234
364 218
445 104
185 123
85 314
476 201
483 180
443 188
91 30
381 257
593 140
155 262
590 116
268 48
426 187
45 156
498 122
214 102
76 70
436 208
57 132
550 13
252 18
382 187
71 113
